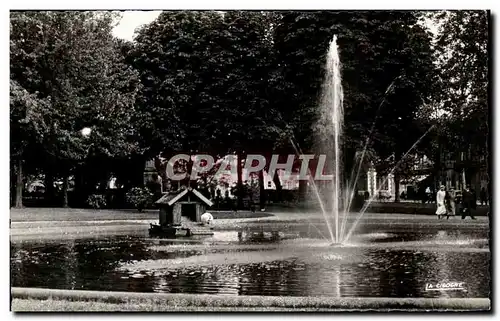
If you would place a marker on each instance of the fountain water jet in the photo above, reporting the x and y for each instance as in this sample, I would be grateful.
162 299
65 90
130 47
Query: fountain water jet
330 127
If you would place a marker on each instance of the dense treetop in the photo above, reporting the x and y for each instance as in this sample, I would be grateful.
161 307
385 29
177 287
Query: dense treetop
242 82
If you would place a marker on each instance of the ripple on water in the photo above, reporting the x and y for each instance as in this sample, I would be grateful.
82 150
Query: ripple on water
301 266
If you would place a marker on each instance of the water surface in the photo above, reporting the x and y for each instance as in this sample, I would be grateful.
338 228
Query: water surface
256 263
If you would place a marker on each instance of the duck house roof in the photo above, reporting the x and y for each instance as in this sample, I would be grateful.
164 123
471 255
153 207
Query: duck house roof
171 198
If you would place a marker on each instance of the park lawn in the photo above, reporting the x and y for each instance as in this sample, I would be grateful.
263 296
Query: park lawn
238 214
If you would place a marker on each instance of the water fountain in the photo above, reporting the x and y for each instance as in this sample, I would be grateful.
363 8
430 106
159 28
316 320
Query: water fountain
329 128
329 131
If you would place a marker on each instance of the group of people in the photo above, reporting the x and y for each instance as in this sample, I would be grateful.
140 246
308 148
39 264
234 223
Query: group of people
447 199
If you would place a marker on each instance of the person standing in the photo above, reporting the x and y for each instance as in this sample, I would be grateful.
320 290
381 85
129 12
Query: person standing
468 203
440 201
450 203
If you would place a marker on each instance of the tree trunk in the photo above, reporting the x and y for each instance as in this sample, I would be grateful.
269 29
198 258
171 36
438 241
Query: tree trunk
262 190
65 191
49 187
302 190
19 184
239 188
438 164
464 180
12 185
161 169
397 179
189 171
279 188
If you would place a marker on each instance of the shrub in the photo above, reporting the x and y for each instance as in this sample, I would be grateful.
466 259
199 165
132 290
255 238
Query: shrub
139 197
96 201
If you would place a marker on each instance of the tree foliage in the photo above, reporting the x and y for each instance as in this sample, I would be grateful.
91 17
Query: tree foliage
387 74
71 62
205 81
462 49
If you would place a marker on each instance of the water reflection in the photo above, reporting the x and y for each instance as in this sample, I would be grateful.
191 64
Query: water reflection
301 269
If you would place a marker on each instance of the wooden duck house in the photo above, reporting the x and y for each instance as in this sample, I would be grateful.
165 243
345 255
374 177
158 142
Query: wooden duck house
189 203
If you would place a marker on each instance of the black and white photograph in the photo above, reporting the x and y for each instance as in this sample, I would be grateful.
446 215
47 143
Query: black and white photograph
230 160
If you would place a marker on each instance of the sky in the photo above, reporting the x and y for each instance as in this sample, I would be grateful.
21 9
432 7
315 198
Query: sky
133 19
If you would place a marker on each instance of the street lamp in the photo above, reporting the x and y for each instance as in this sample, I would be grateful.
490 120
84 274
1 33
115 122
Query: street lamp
86 131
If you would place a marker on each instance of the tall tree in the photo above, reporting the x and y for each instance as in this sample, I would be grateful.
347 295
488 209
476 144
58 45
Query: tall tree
72 61
205 77
26 130
387 70
462 51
